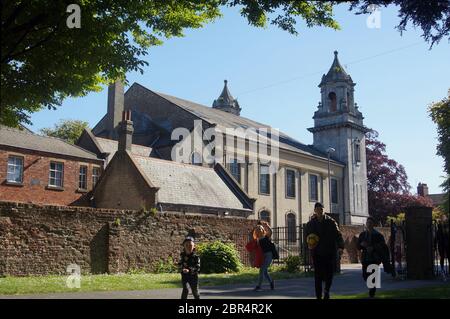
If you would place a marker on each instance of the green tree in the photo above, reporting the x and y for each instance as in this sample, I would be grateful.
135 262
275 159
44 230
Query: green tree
43 61
440 114
68 130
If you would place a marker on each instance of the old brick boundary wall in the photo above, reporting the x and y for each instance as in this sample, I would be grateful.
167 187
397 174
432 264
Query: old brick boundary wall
39 239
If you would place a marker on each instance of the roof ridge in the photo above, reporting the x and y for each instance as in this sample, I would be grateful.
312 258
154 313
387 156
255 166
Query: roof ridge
173 162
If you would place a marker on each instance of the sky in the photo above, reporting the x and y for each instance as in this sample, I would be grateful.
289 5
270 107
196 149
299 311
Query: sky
275 76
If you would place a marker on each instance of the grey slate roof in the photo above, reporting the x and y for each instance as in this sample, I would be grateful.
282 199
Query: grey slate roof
24 139
187 184
111 146
437 199
227 120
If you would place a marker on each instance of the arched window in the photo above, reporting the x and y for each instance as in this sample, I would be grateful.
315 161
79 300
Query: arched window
291 228
265 215
333 102
196 159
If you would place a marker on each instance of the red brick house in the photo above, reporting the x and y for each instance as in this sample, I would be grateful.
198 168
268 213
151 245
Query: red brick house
45 170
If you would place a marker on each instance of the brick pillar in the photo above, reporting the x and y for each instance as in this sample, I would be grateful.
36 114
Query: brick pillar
419 249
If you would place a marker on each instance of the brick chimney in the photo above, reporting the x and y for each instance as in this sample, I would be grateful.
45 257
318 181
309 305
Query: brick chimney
422 190
125 132
115 108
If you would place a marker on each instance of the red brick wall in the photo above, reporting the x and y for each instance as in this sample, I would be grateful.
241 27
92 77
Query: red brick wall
36 178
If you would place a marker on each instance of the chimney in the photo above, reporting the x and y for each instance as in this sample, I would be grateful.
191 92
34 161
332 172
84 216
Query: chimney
125 132
422 190
115 108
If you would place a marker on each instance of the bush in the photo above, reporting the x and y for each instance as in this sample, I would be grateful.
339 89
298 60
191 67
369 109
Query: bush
218 257
292 263
164 267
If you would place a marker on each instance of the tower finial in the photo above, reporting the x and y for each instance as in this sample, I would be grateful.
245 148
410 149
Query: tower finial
225 81
335 53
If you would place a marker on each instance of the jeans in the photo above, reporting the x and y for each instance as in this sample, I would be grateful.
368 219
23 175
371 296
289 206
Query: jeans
193 283
263 271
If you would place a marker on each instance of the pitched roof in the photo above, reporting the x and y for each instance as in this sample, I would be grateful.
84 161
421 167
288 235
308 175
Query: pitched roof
26 140
437 199
336 72
111 146
187 184
225 120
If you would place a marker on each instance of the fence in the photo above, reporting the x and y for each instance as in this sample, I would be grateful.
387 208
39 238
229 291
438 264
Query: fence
289 241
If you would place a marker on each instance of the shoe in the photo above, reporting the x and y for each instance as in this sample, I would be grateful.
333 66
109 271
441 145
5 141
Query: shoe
326 295
257 288
272 285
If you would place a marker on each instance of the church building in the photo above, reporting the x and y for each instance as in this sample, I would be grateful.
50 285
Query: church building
332 170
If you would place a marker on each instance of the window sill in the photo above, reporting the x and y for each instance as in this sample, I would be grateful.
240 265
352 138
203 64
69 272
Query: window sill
54 188
264 194
289 197
82 190
9 183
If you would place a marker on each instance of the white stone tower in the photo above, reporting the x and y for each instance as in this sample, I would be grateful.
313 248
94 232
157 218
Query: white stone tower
339 124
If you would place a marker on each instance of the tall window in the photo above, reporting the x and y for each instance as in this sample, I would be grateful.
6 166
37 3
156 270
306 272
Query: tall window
82 180
357 152
291 228
290 183
235 169
56 174
95 175
333 102
264 179
313 188
334 191
264 215
15 169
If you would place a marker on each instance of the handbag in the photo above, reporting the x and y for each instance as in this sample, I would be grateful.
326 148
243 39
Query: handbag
275 254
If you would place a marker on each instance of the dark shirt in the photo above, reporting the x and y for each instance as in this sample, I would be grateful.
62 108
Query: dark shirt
191 262
265 244
379 250
330 237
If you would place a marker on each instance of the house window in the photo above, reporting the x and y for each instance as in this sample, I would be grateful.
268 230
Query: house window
291 228
56 174
95 175
357 152
334 191
264 215
313 188
15 169
82 181
290 183
235 169
264 179
333 102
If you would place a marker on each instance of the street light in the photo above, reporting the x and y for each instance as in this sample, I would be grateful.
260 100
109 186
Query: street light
329 151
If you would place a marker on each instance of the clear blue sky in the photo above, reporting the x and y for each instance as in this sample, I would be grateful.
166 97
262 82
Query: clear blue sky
275 75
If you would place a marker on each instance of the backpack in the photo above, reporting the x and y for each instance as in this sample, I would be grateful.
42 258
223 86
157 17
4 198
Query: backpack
274 249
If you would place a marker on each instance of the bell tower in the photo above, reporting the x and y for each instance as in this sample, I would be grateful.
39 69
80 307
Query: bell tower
338 124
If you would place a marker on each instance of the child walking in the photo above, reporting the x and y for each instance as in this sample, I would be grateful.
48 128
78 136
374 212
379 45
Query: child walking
189 266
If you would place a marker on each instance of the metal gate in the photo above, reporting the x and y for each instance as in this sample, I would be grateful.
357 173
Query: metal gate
397 247
289 241
441 249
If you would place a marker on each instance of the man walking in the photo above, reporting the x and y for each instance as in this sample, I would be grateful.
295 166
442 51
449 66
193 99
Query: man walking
324 240
374 250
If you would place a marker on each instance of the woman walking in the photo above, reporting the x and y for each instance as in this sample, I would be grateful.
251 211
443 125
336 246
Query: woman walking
262 247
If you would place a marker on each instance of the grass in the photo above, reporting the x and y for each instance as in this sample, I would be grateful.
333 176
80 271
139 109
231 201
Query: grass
438 292
52 284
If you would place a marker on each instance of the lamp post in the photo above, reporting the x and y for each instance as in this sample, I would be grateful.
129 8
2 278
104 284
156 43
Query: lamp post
329 151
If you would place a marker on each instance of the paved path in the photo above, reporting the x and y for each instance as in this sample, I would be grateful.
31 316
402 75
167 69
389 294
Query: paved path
349 282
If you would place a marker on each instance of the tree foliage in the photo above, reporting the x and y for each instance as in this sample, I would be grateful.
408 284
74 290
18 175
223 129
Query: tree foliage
68 130
432 16
440 114
387 182
43 61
